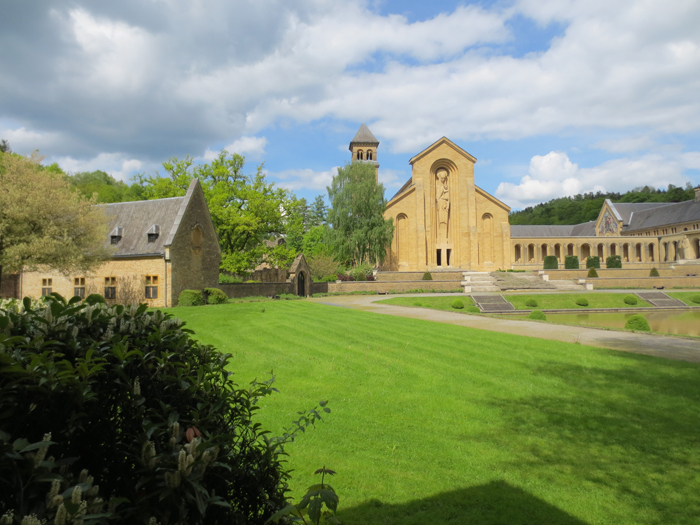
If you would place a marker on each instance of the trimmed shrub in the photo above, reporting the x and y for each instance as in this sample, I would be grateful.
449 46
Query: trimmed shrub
592 272
614 261
95 298
582 301
630 299
695 299
329 278
653 272
458 304
215 296
551 262
190 298
637 323
417 303
128 395
571 262
537 315
530 302
593 262
473 310
427 276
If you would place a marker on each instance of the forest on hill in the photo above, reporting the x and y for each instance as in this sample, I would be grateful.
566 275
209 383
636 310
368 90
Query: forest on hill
586 207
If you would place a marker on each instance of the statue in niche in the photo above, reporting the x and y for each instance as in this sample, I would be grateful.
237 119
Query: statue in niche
442 193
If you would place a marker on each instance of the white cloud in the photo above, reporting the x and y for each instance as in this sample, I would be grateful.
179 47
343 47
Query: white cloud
25 141
554 175
627 144
254 146
303 179
117 165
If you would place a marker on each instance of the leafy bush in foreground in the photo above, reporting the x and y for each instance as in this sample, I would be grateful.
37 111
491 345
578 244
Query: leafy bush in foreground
190 298
537 315
125 396
215 296
637 323
630 299
457 304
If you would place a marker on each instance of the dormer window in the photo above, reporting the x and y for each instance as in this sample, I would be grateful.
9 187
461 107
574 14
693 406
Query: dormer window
153 233
116 235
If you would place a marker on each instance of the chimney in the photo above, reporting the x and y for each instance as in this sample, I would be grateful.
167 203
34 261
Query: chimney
697 194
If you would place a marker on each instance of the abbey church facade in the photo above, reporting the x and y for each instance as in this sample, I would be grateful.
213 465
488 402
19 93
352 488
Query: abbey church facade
443 220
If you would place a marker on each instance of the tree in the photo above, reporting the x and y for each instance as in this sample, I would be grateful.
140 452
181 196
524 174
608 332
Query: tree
42 222
246 209
5 146
360 234
107 188
318 212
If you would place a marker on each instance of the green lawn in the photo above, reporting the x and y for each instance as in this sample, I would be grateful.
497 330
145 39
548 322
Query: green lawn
435 423
685 297
437 303
558 301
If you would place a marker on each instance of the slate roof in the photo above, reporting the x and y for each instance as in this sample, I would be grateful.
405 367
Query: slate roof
626 209
671 213
364 136
136 218
586 229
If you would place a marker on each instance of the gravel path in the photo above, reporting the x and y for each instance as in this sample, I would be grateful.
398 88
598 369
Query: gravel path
670 347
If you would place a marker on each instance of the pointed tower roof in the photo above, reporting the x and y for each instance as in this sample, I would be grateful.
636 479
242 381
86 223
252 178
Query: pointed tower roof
364 136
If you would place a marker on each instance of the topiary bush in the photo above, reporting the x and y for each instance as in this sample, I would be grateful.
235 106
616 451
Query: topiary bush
582 301
123 403
215 296
190 298
473 310
551 262
571 262
695 299
592 272
637 323
457 304
630 299
537 315
653 272
530 302
614 261
427 276
593 262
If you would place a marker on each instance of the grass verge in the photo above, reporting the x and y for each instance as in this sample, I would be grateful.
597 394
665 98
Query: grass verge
563 301
436 423
436 303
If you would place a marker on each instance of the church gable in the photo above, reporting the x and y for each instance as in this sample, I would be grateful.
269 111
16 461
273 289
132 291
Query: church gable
440 144
609 221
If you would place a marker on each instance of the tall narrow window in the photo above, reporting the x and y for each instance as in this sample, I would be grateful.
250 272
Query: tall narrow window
439 257
46 286
79 287
369 154
110 287
151 287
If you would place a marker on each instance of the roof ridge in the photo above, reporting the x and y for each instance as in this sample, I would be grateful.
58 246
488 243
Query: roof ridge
364 136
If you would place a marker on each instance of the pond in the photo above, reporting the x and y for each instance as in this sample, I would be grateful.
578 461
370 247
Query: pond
680 323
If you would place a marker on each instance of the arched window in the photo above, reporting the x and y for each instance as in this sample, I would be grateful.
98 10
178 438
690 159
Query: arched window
369 154
359 154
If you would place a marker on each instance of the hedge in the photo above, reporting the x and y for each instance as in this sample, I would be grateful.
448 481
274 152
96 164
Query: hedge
215 296
571 262
551 262
190 298
653 272
593 261
614 261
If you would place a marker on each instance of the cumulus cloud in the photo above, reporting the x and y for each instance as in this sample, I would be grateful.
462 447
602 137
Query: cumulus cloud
254 146
304 179
554 175
117 165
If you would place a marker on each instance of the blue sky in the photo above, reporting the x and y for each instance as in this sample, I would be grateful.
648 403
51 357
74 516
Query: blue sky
553 97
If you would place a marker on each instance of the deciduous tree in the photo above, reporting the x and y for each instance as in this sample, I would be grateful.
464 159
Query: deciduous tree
44 223
360 234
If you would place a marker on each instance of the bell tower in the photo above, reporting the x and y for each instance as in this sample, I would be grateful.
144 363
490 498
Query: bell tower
363 148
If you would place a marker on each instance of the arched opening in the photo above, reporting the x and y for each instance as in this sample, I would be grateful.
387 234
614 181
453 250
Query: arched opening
369 154
652 255
638 252
664 252
557 252
613 249
486 239
585 251
301 284
359 155
545 250
570 249
518 253
696 246
626 252
674 247
531 253
601 251
402 240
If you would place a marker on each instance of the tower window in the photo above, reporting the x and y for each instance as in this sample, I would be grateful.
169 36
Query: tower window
369 155
359 154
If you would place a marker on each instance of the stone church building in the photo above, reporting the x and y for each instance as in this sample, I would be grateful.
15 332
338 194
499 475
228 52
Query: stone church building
443 220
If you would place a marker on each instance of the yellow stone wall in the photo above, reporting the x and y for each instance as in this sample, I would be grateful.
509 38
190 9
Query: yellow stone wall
131 281
478 232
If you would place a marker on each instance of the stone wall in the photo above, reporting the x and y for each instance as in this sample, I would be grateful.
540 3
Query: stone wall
667 283
387 277
238 290
9 286
677 271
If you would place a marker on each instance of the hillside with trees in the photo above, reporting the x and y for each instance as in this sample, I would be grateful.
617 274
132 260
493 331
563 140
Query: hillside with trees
586 207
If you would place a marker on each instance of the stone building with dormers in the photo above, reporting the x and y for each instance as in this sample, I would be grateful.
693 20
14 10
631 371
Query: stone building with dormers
159 248
443 221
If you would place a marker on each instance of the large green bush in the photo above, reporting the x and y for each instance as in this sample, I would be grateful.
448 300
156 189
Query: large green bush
571 262
630 299
190 298
537 315
593 261
637 323
614 261
122 403
695 299
653 272
215 296
457 304
427 276
530 302
592 272
582 301
551 262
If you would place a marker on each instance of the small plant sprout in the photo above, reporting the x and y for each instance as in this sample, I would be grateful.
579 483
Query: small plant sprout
312 503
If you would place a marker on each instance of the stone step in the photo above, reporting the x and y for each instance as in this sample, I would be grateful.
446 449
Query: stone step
485 288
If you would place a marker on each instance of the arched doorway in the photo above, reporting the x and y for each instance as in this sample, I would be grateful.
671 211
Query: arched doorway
301 285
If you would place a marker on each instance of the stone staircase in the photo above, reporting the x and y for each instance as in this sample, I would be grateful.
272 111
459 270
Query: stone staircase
568 285
492 303
506 281
478 282
660 299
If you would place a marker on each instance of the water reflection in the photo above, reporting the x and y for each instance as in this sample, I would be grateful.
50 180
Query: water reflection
680 323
